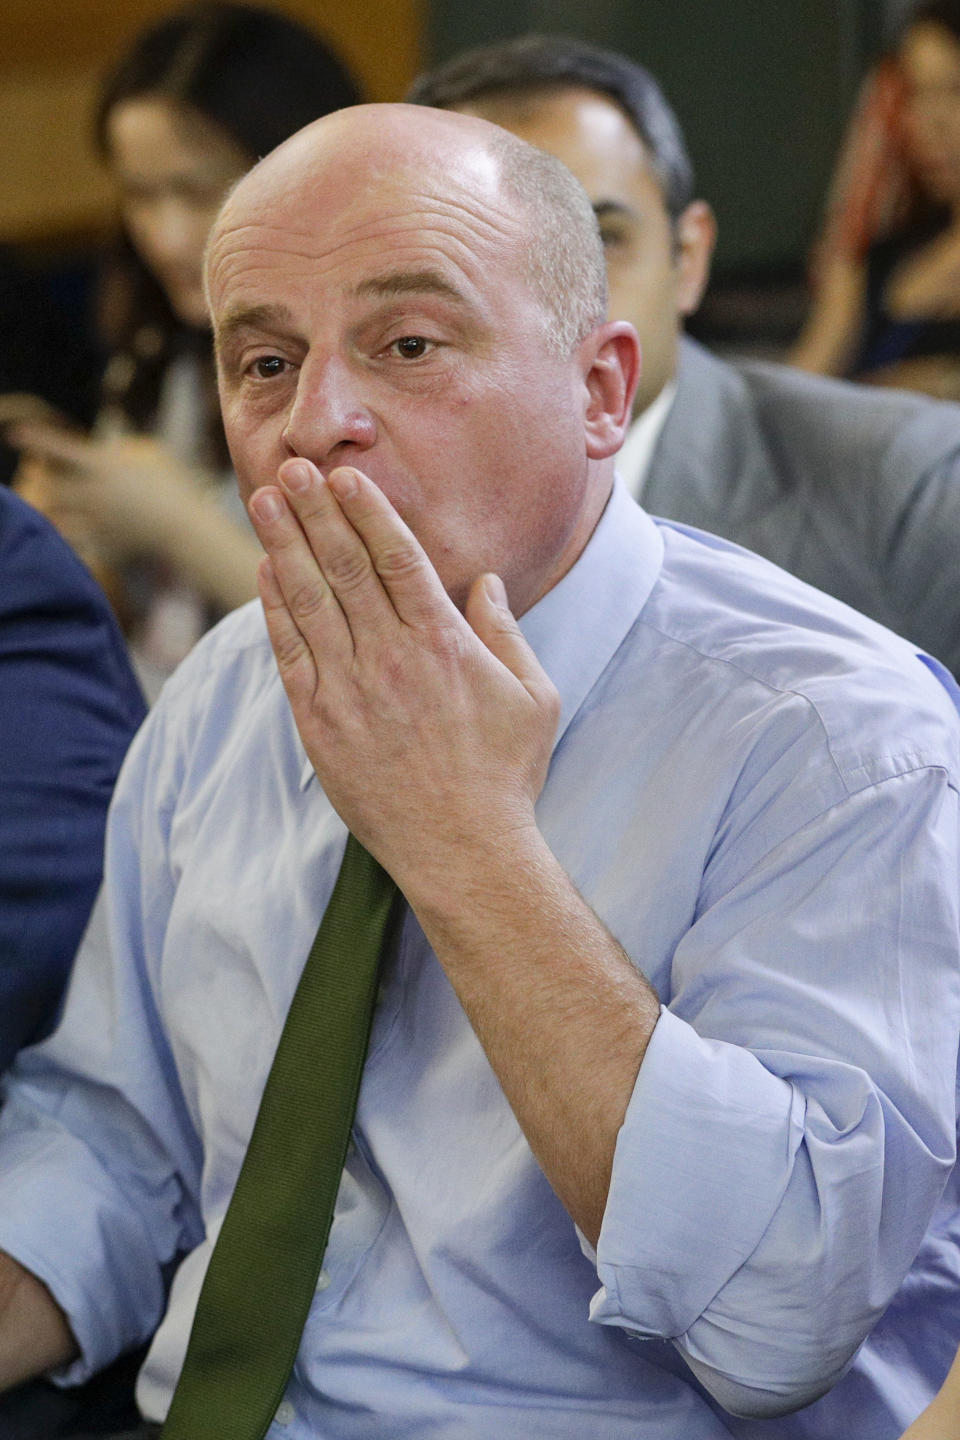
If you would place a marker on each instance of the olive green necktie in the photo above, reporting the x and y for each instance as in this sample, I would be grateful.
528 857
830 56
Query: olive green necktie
263 1271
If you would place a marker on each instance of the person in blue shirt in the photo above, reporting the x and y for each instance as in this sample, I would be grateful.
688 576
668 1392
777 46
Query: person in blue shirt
656 1131
69 707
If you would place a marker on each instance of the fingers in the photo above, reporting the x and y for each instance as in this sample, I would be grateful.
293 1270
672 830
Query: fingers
299 604
492 621
51 443
17 405
47 489
341 537
399 561
341 562
294 657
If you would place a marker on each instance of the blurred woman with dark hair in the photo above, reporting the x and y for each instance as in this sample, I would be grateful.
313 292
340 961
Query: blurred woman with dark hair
148 499
890 314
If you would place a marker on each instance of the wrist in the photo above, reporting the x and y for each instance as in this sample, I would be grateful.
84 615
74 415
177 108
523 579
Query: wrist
34 1334
459 883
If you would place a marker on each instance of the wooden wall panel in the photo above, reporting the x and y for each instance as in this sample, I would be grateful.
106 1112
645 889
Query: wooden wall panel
52 53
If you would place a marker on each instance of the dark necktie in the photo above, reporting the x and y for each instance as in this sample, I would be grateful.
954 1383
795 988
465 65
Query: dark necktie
264 1268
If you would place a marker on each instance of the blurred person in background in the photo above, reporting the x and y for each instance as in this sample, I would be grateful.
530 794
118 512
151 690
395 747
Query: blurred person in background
148 498
854 490
49 350
887 285
69 706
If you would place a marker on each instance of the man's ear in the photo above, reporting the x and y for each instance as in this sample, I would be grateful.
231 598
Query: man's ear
695 236
611 360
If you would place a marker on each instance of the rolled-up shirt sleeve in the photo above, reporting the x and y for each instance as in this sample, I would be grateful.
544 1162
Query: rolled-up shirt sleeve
99 1185
792 1124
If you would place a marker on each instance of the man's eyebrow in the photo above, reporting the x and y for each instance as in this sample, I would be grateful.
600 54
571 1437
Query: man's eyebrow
252 317
410 282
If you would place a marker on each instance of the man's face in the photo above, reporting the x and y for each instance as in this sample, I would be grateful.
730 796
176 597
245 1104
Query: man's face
646 270
385 321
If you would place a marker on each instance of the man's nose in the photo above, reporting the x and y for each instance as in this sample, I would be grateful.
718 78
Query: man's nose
329 418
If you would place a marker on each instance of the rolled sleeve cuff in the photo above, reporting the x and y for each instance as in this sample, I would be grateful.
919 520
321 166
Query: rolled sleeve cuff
702 1161
101 1273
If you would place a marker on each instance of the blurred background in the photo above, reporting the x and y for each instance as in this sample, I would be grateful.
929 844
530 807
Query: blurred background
763 91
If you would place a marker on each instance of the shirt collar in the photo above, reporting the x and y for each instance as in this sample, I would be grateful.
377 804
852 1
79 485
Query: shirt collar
636 452
576 628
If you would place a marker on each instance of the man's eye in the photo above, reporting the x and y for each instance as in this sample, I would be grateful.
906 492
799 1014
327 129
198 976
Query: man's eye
411 347
267 367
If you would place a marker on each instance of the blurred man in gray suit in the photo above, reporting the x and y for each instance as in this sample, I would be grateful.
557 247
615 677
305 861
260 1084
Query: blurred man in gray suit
855 490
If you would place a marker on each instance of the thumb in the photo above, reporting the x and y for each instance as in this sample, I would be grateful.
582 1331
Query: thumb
492 621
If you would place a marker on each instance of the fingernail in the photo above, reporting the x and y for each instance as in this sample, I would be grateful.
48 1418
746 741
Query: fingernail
343 483
297 477
495 590
267 505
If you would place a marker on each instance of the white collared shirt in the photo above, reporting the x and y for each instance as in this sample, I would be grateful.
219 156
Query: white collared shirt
636 452
755 789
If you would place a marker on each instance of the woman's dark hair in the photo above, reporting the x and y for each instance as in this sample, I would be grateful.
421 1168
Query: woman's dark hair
256 74
919 213
945 13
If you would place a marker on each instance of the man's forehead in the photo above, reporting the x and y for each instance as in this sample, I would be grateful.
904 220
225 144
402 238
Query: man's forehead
324 180
370 237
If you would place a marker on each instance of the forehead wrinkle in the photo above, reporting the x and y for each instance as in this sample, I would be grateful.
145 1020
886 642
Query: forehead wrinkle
403 248
459 230
412 209
226 241
475 212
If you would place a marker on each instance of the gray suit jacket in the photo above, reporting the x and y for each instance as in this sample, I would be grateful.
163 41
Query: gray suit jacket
854 489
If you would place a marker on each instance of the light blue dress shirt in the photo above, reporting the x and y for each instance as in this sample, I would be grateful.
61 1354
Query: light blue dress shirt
756 790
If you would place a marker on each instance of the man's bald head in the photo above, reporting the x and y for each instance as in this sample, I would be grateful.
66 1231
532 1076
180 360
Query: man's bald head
370 144
565 257
419 294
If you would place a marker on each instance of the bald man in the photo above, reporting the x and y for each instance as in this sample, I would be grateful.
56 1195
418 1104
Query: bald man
658 1102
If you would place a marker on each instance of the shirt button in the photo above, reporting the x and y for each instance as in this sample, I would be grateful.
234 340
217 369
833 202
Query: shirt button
323 1280
285 1413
